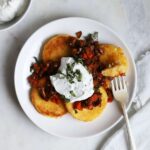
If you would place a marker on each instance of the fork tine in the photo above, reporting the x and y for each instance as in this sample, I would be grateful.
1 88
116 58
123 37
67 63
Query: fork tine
120 83
113 86
124 83
116 83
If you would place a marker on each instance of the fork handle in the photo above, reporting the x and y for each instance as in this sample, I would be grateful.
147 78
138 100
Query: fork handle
131 139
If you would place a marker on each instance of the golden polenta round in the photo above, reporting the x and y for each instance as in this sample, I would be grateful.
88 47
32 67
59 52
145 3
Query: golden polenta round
47 108
114 58
56 48
86 114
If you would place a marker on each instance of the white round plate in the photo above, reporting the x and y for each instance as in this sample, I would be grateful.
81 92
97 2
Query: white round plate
67 126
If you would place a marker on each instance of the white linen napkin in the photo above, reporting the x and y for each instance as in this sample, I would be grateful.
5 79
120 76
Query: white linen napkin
140 124
140 121
143 72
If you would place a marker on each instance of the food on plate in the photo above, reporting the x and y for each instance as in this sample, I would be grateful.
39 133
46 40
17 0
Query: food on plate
84 114
73 80
55 48
73 75
53 107
114 58
43 96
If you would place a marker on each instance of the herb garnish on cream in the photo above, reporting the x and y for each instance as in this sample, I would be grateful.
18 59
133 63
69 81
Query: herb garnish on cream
73 80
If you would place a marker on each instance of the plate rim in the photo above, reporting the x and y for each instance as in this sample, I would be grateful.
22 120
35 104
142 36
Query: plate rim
132 60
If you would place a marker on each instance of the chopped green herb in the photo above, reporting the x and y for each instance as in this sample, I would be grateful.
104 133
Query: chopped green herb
69 70
70 67
96 88
71 81
67 100
73 64
75 111
36 60
64 98
79 60
94 36
72 93
31 68
78 75
70 74
61 73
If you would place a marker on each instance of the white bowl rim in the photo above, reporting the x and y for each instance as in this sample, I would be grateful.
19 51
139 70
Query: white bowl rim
20 19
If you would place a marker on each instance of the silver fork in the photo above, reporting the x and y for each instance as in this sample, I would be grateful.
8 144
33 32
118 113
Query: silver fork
120 93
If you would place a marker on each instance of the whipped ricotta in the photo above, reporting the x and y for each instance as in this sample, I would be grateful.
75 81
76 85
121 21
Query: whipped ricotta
9 9
79 86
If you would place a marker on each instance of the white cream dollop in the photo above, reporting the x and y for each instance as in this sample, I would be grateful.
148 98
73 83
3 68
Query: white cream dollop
9 9
77 91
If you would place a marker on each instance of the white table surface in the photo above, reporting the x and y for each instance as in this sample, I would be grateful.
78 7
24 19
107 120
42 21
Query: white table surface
129 18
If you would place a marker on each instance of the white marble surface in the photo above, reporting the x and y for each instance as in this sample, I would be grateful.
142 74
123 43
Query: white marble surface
129 18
